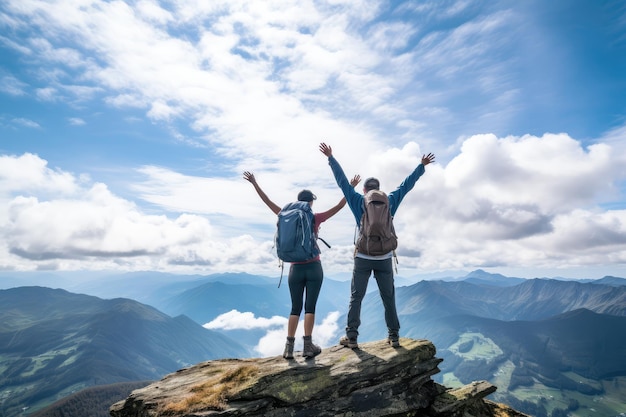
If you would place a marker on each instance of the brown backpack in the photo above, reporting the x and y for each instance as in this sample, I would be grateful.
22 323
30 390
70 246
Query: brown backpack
377 235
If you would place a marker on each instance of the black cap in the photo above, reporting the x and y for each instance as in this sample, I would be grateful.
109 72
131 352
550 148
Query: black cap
371 184
306 195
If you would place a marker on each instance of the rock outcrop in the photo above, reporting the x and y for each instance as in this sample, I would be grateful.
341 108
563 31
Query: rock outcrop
374 380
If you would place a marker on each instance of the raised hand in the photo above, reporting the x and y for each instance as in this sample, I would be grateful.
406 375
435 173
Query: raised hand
249 176
427 159
326 150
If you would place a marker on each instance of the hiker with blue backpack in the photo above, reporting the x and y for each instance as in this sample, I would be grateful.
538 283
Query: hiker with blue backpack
305 274
375 245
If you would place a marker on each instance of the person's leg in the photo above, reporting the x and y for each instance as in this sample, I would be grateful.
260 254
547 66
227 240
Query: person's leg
314 278
297 280
313 285
309 323
360 277
292 325
383 272
296 291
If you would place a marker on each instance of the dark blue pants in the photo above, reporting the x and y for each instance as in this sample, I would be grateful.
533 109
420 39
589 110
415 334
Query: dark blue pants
383 272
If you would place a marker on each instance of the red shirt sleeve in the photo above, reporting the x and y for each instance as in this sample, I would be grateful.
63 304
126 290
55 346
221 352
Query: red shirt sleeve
319 219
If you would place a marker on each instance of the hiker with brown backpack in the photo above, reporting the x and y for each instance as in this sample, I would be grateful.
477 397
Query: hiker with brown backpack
375 245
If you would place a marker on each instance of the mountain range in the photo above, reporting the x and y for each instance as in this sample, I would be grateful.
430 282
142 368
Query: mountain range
53 343
562 338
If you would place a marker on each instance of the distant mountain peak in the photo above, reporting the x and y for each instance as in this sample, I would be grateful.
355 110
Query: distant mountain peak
480 276
481 273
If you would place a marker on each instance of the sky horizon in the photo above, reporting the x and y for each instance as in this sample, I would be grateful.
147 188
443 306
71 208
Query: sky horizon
125 128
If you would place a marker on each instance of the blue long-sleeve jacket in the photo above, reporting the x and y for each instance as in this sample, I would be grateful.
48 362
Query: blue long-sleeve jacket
355 199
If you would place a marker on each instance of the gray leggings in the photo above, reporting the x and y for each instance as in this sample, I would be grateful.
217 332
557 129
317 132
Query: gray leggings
303 277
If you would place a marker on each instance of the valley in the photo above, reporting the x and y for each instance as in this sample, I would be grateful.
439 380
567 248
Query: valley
552 347
610 400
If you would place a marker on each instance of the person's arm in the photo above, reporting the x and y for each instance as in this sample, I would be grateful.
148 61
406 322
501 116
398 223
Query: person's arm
396 196
248 176
334 210
353 198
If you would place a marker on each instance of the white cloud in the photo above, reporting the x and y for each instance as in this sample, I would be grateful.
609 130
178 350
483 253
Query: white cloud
29 173
246 320
47 93
152 11
261 84
506 202
232 73
13 86
517 201
273 342
50 219
21 121
76 121
324 335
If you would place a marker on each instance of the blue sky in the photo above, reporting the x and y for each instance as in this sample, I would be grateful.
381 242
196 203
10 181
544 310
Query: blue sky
125 128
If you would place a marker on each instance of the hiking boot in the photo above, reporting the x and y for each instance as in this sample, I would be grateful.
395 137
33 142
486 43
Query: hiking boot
394 340
288 353
310 349
349 342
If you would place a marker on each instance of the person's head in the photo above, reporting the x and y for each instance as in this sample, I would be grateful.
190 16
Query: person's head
306 195
371 184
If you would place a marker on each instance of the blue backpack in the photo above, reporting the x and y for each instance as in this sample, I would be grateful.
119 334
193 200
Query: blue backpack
295 236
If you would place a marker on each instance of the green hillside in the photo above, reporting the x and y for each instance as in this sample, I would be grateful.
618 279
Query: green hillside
54 343
572 363
92 402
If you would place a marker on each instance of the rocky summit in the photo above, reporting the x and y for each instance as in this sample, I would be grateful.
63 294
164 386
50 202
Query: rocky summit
373 380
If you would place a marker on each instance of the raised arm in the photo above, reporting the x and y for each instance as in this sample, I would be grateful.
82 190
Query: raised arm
334 210
248 176
340 176
353 198
396 196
